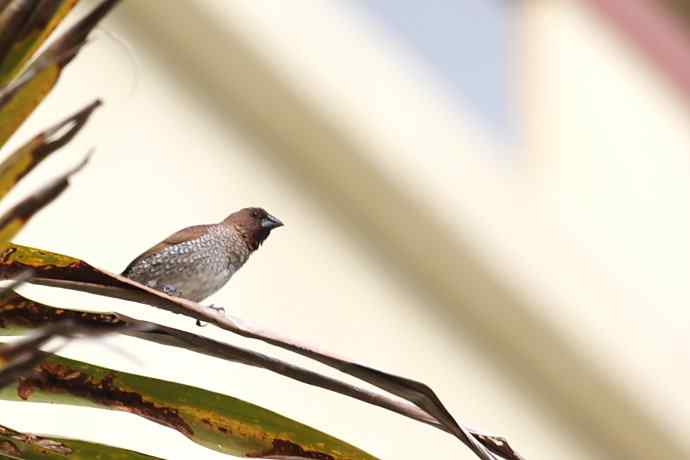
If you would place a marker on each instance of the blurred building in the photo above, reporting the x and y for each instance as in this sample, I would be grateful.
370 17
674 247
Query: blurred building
491 197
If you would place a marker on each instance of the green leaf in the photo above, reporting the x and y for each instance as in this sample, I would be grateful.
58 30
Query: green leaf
28 156
20 357
19 315
27 446
216 421
14 219
57 270
24 26
21 97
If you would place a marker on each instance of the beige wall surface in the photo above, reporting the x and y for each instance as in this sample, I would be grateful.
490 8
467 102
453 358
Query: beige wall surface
168 155
609 159
542 300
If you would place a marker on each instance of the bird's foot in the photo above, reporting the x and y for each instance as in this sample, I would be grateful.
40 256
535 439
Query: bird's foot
219 310
169 289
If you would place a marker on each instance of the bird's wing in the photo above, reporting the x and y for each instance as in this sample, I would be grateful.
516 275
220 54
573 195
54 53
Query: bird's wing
181 236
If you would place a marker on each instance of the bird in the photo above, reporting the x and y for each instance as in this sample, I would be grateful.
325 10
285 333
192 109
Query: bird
197 261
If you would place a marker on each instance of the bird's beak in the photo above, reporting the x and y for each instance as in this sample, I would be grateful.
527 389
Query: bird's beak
269 222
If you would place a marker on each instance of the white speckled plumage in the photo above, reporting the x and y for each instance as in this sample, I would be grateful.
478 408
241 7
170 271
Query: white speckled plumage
197 261
193 269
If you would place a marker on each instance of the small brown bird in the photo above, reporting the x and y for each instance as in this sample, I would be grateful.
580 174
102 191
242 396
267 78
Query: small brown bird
197 261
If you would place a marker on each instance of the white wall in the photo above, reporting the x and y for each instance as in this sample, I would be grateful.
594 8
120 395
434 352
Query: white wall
546 285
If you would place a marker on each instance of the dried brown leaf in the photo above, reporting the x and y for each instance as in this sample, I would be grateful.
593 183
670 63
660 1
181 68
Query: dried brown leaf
14 219
29 155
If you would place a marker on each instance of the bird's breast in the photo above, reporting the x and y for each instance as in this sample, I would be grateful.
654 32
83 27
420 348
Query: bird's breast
194 269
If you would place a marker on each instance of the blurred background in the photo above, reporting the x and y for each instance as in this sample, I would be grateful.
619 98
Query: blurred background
489 196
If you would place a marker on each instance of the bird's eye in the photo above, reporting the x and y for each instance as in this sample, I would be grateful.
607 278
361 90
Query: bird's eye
255 214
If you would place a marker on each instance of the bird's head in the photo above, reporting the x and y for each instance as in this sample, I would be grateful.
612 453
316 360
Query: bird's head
254 224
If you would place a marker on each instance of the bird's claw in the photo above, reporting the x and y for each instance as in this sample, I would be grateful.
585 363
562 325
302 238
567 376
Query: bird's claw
219 310
169 289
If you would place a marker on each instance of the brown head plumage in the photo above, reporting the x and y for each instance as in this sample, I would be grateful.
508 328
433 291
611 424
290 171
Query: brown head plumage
253 224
